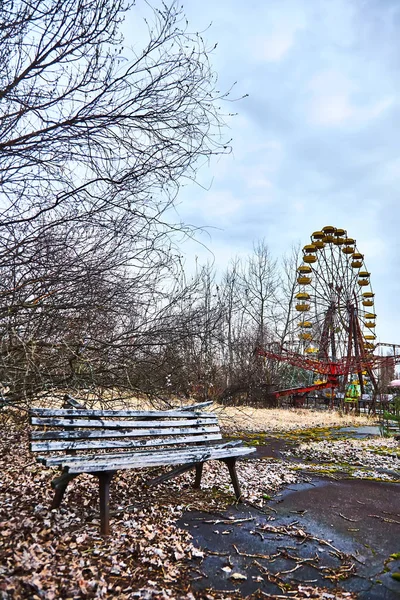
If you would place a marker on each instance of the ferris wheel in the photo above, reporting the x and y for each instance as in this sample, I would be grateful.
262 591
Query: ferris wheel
334 315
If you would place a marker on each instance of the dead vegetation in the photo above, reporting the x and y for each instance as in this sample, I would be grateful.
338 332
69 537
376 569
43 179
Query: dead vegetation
277 419
47 554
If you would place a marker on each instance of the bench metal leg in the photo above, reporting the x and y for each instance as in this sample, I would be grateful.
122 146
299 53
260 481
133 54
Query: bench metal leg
231 464
104 488
58 496
60 485
199 472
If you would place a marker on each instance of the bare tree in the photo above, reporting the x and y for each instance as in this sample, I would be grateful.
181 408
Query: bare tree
86 122
288 286
258 285
94 142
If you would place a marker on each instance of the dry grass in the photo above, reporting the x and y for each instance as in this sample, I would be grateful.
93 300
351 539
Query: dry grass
285 419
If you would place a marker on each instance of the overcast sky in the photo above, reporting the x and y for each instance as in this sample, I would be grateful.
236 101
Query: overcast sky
316 142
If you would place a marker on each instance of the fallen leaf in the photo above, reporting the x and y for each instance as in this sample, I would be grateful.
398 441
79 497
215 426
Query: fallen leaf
238 577
226 569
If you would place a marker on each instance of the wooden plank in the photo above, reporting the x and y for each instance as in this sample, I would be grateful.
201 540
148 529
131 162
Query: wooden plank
196 406
151 414
136 461
144 459
156 460
108 456
108 424
110 444
70 401
118 433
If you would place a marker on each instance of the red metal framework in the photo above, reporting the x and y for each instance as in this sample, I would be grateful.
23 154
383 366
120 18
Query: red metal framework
330 369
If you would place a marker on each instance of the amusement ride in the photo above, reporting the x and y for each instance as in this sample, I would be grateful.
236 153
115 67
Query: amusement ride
331 328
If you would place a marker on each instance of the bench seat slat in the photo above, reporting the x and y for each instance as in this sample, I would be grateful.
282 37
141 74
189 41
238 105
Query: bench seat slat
150 414
117 433
157 459
65 459
108 424
98 445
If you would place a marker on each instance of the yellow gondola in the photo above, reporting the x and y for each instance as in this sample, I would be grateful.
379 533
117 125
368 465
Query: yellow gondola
309 258
364 274
305 336
367 302
358 256
370 336
319 244
304 269
370 316
340 232
302 307
368 294
305 324
348 250
349 241
370 325
356 264
328 239
363 282
329 229
309 248
303 296
318 235
304 280
311 350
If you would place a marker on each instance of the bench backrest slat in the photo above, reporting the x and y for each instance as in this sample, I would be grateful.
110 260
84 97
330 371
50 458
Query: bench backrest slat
150 414
116 433
113 424
52 446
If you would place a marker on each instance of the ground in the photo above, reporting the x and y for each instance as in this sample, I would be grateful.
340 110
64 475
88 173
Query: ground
320 520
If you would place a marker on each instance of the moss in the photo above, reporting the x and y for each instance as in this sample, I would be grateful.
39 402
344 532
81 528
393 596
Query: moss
295 436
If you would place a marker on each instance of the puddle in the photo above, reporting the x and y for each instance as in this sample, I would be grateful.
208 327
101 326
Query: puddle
359 432
357 518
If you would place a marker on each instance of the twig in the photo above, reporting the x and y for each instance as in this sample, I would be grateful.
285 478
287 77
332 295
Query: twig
290 570
259 508
348 518
385 519
266 556
228 521
275 595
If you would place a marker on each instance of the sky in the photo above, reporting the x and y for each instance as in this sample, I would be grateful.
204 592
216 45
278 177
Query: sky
316 141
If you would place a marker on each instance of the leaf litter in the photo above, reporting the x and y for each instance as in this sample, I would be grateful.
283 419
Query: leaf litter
50 554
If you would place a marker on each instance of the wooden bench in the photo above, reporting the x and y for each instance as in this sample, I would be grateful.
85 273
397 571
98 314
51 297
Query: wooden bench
102 442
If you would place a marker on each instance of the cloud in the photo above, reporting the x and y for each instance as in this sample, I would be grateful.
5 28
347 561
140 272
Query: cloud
335 98
273 47
316 142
